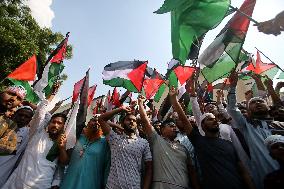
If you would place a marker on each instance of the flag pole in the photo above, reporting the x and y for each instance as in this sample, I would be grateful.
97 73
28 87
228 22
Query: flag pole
268 58
244 14
264 55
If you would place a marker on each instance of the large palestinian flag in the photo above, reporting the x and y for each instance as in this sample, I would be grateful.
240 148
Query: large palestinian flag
127 74
230 40
190 20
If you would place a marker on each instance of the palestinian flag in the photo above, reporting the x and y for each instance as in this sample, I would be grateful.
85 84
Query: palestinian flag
152 82
24 74
163 89
115 98
126 74
52 70
230 40
260 68
221 84
190 20
91 93
83 107
223 67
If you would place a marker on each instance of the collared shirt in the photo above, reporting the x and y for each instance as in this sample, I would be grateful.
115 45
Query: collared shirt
170 163
261 161
126 161
34 170
183 139
8 162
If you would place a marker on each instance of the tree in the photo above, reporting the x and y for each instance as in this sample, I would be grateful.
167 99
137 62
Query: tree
21 37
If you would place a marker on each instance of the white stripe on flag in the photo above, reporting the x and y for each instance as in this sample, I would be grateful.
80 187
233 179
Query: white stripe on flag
42 83
108 75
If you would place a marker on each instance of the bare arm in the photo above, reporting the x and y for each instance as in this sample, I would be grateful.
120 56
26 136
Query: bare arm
103 119
177 107
148 128
275 98
148 175
234 112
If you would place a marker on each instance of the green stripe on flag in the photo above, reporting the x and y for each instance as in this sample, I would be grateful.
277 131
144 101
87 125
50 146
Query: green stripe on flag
119 82
31 95
160 92
173 80
53 76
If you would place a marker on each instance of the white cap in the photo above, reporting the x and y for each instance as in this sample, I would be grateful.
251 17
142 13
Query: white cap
206 115
273 139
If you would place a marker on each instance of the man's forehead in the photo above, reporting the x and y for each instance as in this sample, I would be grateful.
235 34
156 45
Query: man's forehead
131 116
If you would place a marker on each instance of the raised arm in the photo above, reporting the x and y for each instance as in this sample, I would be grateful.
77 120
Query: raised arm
234 112
177 107
103 119
275 97
41 111
195 106
148 128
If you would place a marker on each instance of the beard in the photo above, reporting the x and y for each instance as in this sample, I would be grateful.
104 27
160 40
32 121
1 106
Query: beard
213 130
129 129
262 113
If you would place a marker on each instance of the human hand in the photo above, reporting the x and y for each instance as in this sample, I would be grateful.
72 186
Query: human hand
269 27
279 85
220 94
62 140
268 82
173 92
141 99
55 88
233 79
125 109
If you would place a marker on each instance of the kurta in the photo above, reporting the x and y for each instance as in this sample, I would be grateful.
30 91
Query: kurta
89 165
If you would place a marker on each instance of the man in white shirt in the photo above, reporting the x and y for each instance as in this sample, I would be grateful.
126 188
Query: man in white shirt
34 170
22 117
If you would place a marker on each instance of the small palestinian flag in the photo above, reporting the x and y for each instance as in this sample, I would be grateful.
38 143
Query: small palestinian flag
126 74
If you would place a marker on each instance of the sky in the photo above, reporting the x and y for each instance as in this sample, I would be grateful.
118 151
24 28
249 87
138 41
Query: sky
102 32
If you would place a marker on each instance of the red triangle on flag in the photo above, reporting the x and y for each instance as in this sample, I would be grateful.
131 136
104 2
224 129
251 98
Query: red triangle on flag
259 65
183 73
115 98
151 86
77 89
91 93
26 71
136 76
240 22
60 55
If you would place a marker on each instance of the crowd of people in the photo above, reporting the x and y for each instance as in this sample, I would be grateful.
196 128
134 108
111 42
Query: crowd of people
224 144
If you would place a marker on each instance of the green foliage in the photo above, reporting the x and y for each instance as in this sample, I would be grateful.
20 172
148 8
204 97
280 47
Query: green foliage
21 37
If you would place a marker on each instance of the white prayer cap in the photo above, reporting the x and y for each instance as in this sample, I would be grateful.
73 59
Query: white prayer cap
256 98
205 116
273 139
25 107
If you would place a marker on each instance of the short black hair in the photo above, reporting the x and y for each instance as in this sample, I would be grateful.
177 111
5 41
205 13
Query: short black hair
64 116
124 115
167 121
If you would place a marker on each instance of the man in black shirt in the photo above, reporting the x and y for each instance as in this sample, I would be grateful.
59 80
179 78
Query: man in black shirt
219 162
